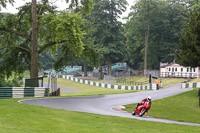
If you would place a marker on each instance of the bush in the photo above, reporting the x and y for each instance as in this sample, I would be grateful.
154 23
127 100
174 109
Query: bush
14 82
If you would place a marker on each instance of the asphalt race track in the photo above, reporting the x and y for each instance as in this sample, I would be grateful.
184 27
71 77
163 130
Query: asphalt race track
105 104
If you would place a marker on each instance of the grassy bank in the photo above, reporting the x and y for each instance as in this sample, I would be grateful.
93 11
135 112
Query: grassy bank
170 81
22 118
87 90
182 107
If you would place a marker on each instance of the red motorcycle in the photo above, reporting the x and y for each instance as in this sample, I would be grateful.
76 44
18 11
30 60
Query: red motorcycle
142 109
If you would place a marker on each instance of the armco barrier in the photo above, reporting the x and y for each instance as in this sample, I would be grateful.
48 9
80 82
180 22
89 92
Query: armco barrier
20 92
120 87
190 85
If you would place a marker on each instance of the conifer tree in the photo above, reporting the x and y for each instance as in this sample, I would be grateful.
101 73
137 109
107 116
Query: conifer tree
189 46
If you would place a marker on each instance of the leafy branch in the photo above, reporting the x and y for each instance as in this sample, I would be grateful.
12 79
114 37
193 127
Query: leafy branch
16 32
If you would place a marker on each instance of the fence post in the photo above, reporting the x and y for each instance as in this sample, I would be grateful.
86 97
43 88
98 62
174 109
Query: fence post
59 92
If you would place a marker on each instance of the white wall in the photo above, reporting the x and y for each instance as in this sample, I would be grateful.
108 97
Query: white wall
176 70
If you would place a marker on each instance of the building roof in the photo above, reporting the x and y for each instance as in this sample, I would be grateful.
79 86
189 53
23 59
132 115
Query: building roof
163 65
170 65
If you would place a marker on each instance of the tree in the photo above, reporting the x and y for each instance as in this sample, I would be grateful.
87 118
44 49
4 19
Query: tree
163 27
47 29
4 2
89 55
189 47
107 29
34 43
138 30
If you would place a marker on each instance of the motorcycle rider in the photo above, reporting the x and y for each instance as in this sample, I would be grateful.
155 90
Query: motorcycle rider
143 101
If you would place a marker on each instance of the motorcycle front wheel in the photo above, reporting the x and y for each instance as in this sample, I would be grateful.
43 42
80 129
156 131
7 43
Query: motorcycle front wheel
133 113
142 112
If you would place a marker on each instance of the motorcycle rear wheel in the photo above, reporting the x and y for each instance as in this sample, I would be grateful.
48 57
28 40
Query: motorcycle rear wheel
142 112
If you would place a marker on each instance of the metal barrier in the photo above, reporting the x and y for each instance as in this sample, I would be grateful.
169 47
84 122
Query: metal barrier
20 92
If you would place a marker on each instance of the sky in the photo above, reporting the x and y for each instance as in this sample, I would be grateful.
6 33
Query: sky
60 3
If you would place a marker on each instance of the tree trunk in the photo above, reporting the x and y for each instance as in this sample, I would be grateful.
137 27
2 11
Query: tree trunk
34 45
85 69
146 49
109 66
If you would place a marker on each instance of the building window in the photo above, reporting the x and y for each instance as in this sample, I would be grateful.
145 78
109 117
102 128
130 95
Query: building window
176 69
190 69
172 69
187 69
169 69
181 69
194 69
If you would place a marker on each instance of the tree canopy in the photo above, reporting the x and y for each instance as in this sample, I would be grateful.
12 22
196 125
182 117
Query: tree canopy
54 29
189 47
90 30
107 29
4 2
165 20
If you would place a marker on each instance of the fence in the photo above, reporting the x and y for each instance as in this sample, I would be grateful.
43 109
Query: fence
53 84
20 92
109 79
124 81
178 75
190 85
152 72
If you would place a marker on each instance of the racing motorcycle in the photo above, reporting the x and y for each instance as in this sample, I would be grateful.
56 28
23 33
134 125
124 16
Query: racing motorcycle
142 109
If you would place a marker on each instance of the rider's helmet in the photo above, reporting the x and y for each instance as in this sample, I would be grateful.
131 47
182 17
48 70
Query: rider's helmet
149 98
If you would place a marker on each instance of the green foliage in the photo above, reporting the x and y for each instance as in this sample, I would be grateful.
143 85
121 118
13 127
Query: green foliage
13 61
4 2
106 29
90 53
56 30
189 46
64 28
47 60
14 81
81 5
165 19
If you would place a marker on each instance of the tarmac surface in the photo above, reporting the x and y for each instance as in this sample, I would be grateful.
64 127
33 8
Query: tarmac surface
111 104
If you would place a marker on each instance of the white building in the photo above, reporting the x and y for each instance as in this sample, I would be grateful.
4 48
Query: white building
178 71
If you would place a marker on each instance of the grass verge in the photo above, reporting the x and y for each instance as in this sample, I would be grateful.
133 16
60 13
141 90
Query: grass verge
22 118
182 107
170 81
87 90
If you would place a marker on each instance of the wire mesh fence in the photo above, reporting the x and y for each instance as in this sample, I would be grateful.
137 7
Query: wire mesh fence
128 81
53 83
